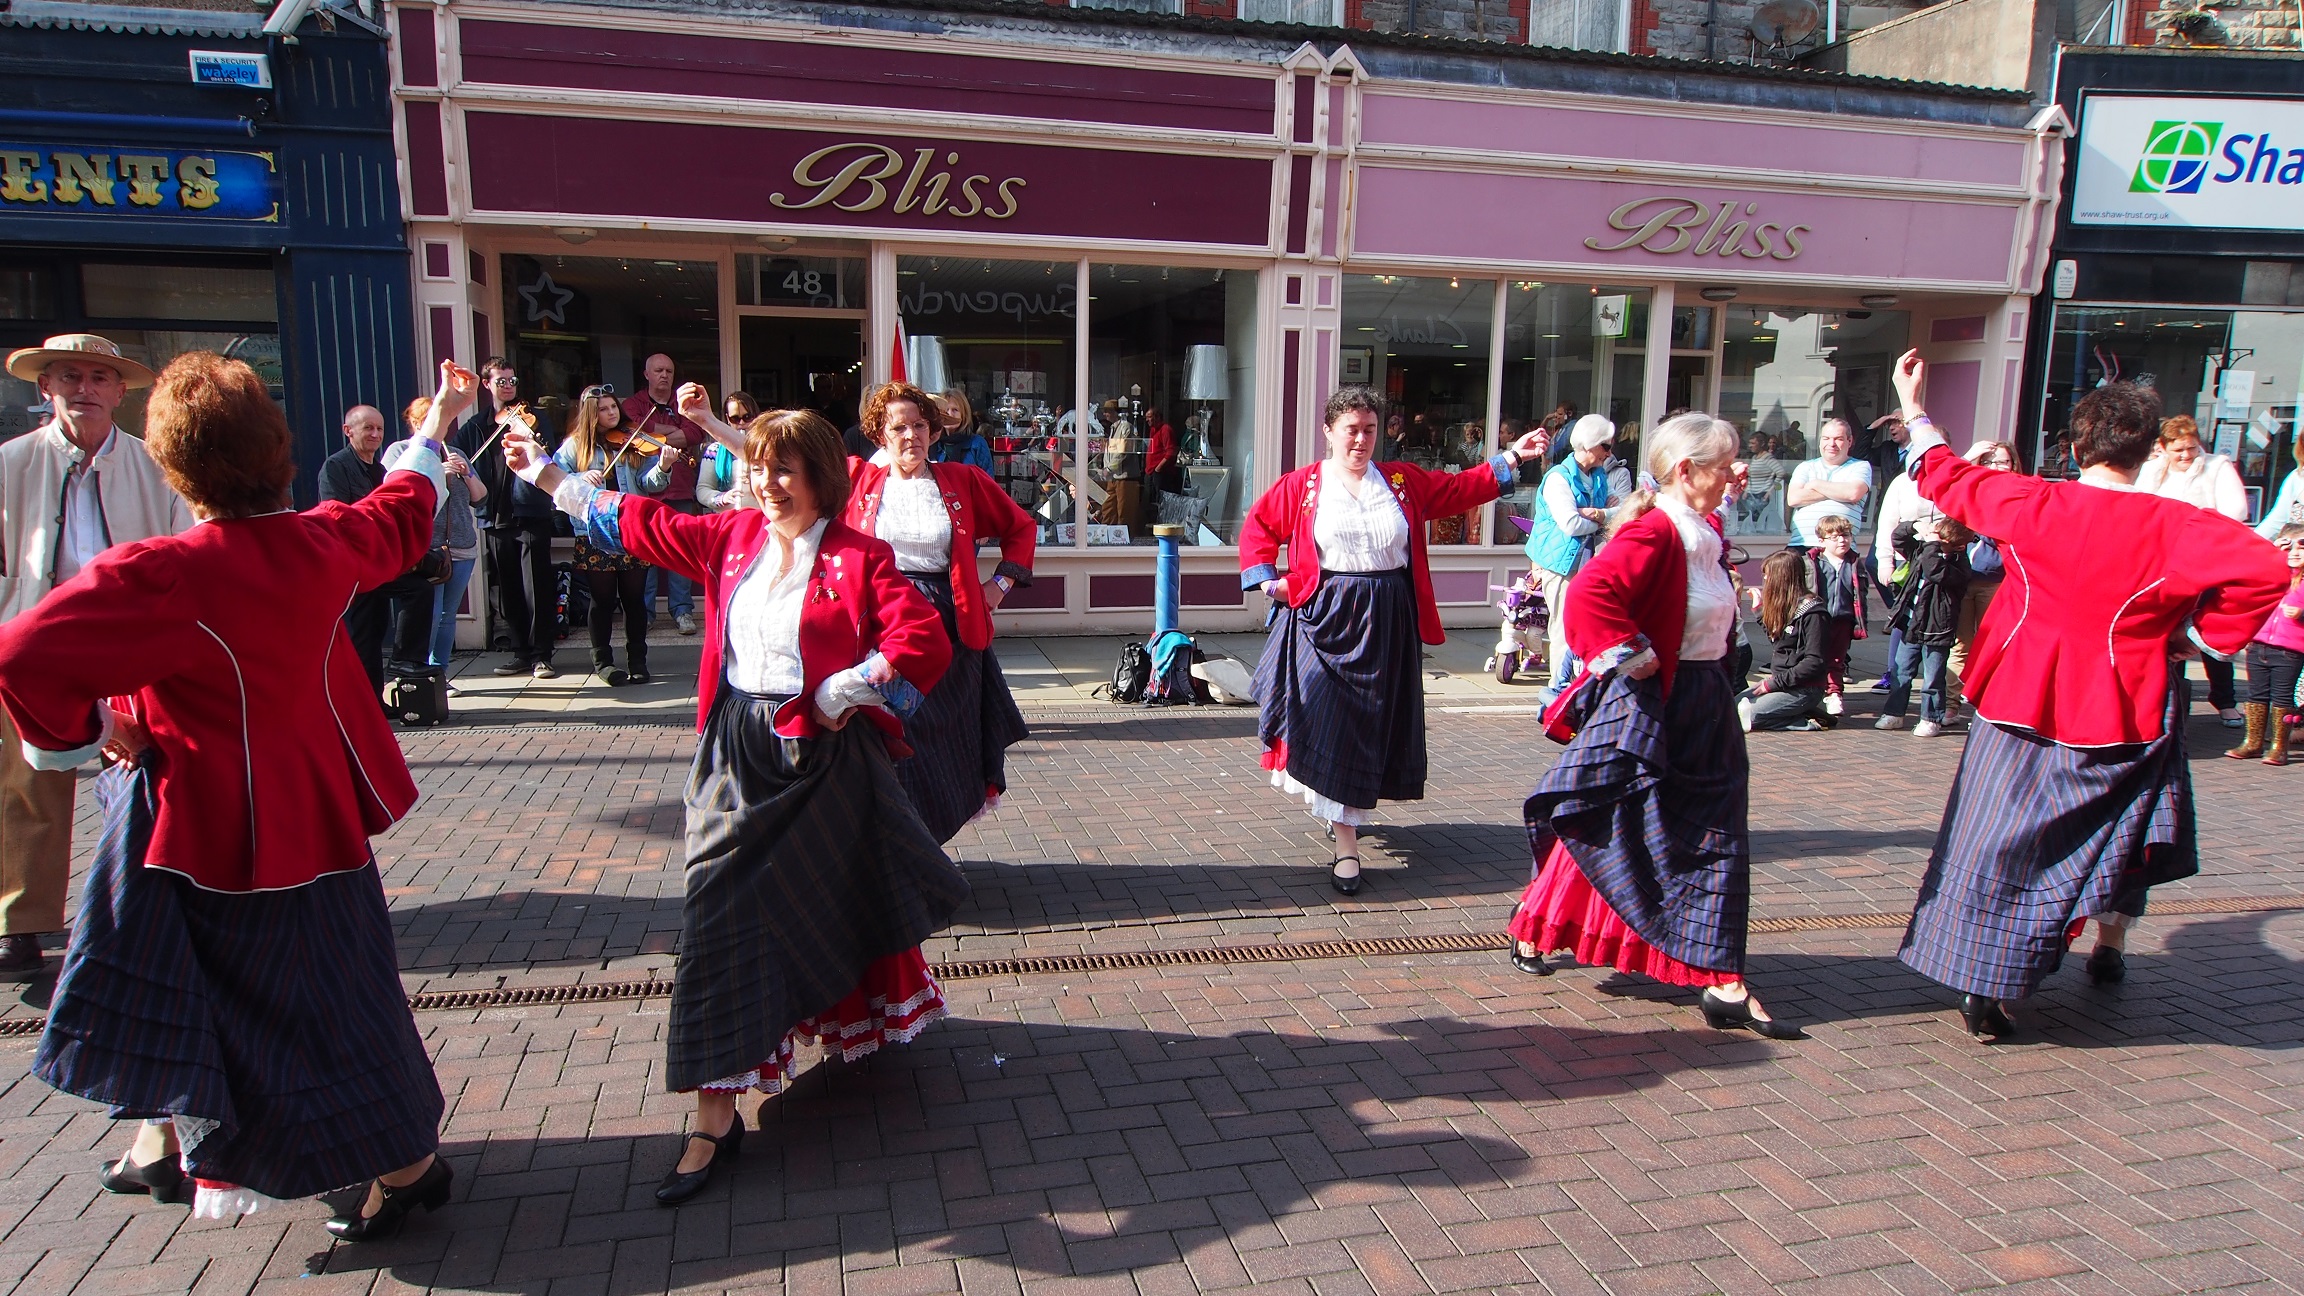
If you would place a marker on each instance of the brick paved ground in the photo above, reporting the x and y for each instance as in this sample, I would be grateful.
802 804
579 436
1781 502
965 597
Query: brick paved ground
1435 1122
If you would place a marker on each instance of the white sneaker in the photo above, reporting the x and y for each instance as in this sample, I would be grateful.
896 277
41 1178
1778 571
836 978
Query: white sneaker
1744 709
684 623
1832 706
1927 729
1890 722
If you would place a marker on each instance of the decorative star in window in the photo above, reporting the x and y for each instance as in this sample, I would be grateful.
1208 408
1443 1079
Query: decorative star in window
547 302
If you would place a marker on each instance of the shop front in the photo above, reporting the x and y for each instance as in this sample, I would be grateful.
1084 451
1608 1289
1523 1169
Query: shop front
260 221
2179 260
1090 232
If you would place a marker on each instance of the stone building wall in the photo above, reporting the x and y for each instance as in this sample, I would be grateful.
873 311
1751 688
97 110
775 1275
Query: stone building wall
2242 24
1498 20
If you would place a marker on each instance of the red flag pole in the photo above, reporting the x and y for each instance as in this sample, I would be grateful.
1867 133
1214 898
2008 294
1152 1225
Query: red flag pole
896 369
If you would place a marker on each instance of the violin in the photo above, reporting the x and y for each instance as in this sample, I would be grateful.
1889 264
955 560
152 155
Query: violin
626 439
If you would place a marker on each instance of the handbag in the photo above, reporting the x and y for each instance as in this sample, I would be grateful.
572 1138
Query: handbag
1565 715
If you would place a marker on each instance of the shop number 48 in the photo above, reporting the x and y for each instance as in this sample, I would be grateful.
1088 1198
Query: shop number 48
805 283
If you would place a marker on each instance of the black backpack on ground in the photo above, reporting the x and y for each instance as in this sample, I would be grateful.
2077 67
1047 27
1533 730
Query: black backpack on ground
1131 675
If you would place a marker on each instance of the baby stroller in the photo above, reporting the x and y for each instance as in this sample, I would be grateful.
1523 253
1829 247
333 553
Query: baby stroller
1527 626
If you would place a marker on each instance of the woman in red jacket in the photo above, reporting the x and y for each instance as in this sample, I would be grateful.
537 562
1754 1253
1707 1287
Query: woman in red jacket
1640 832
810 880
933 515
2074 794
1341 681
232 977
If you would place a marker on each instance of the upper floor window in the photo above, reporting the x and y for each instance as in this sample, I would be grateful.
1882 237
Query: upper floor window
1309 13
1133 6
1579 24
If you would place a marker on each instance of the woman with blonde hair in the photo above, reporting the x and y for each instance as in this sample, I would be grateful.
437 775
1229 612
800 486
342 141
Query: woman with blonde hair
1640 835
589 450
2180 469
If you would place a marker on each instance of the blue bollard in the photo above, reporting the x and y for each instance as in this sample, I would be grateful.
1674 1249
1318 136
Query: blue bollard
1167 580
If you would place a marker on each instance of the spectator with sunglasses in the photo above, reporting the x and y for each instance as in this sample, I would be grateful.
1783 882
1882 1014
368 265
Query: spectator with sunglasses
517 525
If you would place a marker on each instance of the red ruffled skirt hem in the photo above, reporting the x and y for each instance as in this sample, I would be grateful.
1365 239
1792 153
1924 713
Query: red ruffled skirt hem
896 999
1561 911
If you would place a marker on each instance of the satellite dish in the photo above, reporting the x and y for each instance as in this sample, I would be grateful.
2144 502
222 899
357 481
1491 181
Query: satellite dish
1785 22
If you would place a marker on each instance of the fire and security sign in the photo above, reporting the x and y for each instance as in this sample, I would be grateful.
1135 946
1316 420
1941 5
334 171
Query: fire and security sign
2205 163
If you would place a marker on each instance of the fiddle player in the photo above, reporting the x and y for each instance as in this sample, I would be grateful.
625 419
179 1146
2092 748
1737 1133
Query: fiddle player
651 411
517 523
599 447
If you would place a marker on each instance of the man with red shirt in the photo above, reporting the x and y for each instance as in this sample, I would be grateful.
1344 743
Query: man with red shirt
651 410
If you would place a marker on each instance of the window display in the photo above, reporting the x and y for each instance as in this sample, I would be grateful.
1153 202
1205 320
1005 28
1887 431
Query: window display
1786 369
571 321
1171 384
1571 350
1002 334
1426 344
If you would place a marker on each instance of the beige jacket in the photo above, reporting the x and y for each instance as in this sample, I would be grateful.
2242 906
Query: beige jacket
137 506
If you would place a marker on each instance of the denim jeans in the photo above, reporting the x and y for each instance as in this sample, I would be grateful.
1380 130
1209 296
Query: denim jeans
1784 709
679 591
446 598
1927 664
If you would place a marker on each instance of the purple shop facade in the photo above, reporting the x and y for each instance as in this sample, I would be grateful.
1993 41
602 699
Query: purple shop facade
1081 237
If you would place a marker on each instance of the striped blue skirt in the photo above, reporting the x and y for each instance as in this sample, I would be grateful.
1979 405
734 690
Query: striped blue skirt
1652 801
961 735
278 1016
2037 837
1341 683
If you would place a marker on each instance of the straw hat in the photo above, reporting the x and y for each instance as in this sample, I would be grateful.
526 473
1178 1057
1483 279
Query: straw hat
28 363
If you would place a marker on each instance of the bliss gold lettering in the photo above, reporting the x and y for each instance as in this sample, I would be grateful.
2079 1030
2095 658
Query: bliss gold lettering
1666 225
854 177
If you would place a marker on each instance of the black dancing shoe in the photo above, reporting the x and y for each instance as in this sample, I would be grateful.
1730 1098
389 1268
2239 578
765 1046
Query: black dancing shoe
163 1179
1532 964
1345 885
1986 1019
430 1191
1728 1014
678 1187
2107 965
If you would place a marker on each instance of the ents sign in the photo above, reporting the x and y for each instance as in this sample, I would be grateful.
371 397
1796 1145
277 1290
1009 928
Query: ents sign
210 184
2190 163
551 166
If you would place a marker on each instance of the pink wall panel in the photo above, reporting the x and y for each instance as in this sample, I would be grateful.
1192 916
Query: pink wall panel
1691 139
1952 400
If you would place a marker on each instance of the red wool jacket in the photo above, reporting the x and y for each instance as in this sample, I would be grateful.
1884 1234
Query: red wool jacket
857 602
1286 512
1633 594
275 765
2075 644
980 510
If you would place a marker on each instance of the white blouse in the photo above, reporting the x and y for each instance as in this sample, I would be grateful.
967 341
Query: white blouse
1711 596
764 618
1368 534
913 522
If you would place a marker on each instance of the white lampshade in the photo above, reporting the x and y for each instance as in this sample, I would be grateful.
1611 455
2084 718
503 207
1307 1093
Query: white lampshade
1204 374
924 362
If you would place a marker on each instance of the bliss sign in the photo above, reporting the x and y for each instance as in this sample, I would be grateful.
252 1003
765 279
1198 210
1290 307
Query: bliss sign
2190 163
862 177
1668 226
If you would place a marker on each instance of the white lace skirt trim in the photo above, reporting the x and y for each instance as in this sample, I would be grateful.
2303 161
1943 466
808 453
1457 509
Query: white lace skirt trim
229 1203
1332 811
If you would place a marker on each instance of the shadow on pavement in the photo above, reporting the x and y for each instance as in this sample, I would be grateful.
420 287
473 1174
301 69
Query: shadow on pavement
1050 1149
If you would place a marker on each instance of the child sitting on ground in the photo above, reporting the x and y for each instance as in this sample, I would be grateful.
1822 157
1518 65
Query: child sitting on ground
2275 660
1928 614
1837 578
1792 695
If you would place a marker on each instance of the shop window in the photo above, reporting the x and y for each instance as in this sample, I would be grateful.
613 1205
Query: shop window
1171 400
2238 374
1570 349
1786 369
1303 13
571 321
1577 24
1003 334
1133 6
165 292
27 293
1424 344
815 282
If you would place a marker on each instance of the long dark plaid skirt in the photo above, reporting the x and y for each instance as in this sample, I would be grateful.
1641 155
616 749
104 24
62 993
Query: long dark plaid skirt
961 735
799 876
2036 837
1651 800
1341 684
277 1015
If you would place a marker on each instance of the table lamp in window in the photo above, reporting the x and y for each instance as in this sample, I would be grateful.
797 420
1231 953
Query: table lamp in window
1206 381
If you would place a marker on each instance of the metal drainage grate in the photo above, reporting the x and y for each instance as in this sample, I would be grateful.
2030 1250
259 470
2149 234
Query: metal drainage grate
1195 956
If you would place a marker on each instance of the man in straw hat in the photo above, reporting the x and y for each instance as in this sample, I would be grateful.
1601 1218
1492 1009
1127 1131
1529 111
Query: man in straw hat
69 490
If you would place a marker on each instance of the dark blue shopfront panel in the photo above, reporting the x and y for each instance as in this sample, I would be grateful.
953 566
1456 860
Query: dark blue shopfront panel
107 147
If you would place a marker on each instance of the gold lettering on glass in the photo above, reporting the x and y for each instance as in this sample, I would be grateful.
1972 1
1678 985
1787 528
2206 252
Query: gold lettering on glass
1667 225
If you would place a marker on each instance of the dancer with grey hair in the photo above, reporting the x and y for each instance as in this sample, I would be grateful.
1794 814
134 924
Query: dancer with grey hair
1639 832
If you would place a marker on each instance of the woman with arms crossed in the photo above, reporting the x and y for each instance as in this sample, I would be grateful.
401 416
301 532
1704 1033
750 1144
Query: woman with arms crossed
810 880
2073 795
